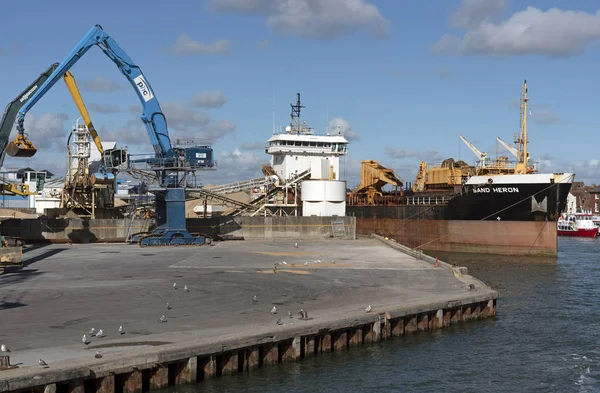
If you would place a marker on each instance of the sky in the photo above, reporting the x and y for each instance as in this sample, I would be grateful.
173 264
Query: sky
402 79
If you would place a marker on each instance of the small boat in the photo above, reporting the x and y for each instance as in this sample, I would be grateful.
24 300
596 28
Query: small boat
577 225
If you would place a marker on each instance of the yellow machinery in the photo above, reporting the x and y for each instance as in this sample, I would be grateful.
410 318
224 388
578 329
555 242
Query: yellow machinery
451 174
443 177
21 147
372 179
72 86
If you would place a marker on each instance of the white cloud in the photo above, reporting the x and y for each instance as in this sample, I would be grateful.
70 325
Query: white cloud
253 146
47 130
472 13
234 166
185 45
210 99
186 122
103 108
312 18
99 85
585 171
553 32
427 156
338 124
545 116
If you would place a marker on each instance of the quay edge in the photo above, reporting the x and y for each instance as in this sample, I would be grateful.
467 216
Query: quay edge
190 359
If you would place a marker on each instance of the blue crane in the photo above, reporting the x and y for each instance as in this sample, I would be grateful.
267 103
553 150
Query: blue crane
169 163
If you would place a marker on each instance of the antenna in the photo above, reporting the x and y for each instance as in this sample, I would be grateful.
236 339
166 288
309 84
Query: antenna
273 110
327 121
296 111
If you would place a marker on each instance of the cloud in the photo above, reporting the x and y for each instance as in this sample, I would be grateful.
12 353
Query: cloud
235 165
47 130
554 32
253 146
103 108
210 99
338 124
129 135
186 122
427 156
586 170
312 18
473 13
544 116
185 45
99 85
264 44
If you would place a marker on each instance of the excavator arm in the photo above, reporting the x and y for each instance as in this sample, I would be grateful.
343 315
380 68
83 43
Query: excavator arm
72 86
152 116
11 112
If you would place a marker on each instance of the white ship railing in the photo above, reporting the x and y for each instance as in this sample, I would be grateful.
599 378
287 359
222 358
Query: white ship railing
427 200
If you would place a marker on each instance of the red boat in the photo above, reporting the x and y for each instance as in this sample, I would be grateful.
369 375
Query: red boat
577 225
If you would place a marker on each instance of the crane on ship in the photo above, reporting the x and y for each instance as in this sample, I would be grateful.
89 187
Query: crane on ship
482 157
171 165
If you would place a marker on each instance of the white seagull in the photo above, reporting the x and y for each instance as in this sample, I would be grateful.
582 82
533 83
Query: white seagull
368 308
4 348
274 310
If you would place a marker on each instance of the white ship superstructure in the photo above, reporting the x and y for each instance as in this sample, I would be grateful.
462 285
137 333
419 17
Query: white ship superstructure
299 157
298 150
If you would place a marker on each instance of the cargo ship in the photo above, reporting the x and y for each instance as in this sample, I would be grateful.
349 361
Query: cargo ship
494 207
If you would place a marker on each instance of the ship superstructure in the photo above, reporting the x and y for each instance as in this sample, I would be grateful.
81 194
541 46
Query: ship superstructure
298 149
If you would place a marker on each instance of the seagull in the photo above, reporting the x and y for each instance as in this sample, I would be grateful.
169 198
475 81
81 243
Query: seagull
306 263
290 314
163 319
174 285
368 308
121 331
283 262
100 334
84 340
168 306
279 321
255 299
92 332
42 363
4 348
98 355
303 314
274 310
185 287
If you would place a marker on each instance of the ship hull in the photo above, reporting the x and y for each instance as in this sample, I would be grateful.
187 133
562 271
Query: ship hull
534 238
581 232
508 214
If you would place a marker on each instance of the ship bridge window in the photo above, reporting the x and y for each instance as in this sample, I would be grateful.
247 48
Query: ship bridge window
297 143
313 143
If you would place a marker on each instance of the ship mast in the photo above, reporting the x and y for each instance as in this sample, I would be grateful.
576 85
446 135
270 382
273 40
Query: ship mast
297 127
521 138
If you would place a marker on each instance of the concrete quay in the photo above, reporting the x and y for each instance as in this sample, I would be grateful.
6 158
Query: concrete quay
215 328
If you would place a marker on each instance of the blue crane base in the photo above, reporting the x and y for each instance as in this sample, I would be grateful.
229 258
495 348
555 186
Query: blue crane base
170 217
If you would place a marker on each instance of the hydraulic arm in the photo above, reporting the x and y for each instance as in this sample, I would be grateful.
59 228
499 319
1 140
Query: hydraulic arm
10 114
168 162
72 86
152 116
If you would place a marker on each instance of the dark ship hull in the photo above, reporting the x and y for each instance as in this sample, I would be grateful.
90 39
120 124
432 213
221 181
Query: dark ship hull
508 214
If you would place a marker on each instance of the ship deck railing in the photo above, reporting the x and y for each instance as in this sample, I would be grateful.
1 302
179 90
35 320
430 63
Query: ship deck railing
426 200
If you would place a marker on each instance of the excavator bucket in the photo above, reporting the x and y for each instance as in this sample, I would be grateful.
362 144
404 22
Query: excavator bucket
21 147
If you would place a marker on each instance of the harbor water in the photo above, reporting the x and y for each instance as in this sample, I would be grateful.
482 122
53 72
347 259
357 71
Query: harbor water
546 338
